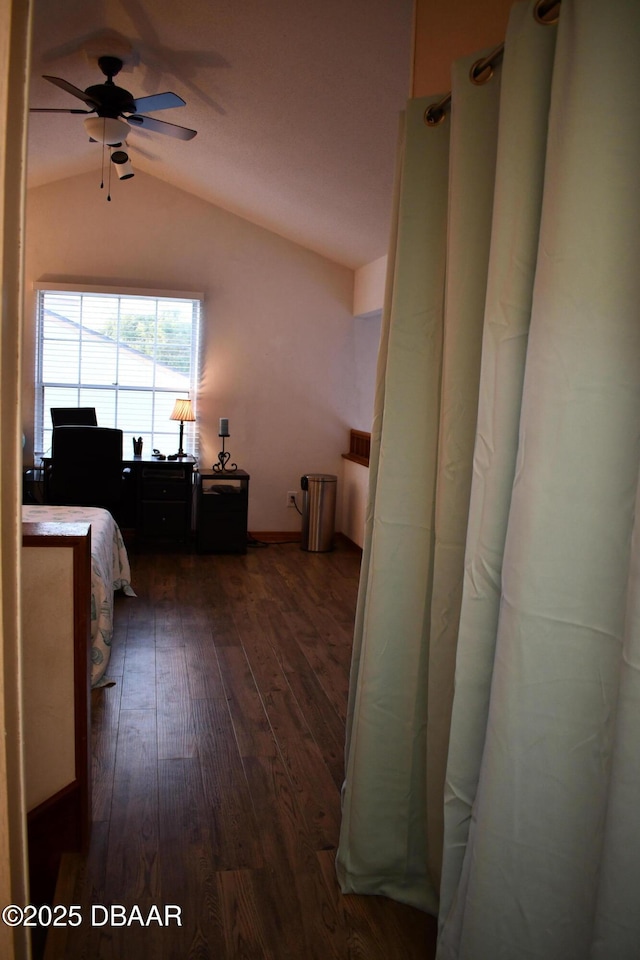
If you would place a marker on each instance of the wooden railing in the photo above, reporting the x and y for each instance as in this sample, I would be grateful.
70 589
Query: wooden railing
359 447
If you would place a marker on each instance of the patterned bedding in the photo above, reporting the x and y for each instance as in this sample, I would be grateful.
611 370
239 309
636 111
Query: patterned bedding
109 571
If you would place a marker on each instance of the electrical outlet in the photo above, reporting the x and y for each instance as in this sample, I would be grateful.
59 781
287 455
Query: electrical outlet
291 498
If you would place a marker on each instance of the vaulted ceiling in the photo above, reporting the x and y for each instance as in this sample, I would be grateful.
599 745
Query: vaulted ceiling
296 105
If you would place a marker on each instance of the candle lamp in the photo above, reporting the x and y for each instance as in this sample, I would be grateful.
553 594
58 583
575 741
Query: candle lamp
223 466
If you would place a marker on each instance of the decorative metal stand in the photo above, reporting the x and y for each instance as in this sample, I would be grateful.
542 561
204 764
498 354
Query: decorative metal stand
223 460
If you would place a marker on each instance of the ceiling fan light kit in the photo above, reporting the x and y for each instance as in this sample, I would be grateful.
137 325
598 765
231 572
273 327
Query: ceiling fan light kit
122 163
117 111
107 130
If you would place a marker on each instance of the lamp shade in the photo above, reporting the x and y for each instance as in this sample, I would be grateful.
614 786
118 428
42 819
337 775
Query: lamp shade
106 129
182 411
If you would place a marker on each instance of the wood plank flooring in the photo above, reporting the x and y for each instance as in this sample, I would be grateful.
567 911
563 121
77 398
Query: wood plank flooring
217 765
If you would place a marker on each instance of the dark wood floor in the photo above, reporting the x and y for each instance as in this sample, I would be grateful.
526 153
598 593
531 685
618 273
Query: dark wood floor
218 760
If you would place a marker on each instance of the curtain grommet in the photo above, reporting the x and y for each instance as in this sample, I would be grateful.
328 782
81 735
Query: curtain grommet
481 72
547 12
434 115
436 112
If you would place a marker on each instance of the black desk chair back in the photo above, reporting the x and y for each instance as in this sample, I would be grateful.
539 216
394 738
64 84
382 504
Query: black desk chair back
86 468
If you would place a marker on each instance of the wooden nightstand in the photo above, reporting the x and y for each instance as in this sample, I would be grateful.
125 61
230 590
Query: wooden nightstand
221 512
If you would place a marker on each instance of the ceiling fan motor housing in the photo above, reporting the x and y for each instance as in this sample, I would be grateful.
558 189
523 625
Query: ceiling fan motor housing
110 100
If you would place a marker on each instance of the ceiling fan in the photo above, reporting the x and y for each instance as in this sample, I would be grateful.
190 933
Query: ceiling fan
115 107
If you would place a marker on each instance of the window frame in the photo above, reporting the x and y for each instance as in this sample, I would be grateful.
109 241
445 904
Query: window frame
41 429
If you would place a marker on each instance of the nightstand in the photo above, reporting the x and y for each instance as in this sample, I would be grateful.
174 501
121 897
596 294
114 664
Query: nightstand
221 512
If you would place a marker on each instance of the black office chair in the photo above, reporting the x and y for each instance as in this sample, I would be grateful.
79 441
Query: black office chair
86 469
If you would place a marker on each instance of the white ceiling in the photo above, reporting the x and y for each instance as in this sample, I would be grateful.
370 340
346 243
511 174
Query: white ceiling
296 105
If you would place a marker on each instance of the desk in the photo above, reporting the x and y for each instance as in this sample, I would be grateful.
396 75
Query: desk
158 499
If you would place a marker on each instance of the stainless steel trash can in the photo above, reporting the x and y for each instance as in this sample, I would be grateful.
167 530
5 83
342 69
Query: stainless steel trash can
318 511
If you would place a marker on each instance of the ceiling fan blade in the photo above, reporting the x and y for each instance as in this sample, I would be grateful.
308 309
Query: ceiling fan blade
56 110
74 91
161 126
158 101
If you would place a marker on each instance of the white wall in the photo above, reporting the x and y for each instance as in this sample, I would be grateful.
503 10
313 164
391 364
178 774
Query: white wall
48 682
367 342
355 496
284 359
369 287
14 46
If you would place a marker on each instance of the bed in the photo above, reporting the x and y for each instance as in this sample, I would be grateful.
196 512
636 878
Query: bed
109 571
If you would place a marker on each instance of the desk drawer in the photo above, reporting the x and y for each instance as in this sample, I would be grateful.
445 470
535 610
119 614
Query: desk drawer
164 490
167 472
165 519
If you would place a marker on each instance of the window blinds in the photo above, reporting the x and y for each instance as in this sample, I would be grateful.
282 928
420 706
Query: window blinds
129 356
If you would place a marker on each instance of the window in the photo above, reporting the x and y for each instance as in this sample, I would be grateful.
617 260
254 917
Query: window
128 355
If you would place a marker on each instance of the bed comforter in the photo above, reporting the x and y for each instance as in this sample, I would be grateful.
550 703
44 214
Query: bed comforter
109 571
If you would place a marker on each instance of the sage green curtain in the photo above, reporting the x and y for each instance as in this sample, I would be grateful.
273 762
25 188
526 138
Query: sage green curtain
385 788
542 845
501 546
422 443
526 71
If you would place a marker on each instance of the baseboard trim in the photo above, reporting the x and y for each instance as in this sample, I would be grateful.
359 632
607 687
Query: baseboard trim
276 536
351 544
291 536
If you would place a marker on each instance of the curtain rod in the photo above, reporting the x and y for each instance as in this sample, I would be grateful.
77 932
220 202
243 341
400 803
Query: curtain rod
545 12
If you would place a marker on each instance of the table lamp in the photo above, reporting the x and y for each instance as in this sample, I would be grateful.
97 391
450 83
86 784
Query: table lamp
182 411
